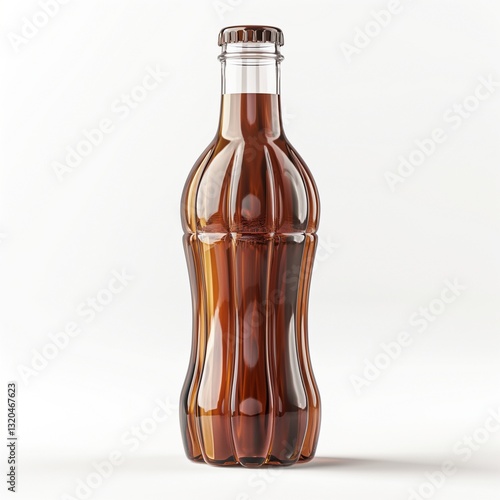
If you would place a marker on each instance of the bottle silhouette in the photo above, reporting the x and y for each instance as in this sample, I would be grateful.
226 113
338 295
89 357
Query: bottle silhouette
250 211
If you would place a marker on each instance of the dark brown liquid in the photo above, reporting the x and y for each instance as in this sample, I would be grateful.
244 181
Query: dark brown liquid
250 212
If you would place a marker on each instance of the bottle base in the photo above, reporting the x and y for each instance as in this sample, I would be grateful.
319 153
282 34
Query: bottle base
251 462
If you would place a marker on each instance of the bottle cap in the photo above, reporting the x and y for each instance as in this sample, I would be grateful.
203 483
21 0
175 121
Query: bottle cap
251 33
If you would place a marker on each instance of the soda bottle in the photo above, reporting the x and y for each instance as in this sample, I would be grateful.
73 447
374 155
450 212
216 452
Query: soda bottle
250 211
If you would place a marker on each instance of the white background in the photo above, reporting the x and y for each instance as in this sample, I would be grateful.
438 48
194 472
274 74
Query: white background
384 254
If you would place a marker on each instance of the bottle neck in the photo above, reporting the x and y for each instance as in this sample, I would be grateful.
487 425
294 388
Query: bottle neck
250 90
250 68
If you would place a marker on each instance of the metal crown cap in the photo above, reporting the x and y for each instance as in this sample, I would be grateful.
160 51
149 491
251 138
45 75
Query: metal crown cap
251 33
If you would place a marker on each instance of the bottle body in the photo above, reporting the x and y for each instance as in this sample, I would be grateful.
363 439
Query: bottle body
250 211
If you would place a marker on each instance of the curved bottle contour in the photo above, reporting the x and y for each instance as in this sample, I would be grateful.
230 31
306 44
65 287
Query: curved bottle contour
250 211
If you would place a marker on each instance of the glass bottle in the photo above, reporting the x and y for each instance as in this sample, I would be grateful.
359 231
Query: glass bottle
250 211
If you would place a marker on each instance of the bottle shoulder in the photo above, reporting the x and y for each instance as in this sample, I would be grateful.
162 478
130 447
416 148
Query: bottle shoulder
255 185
